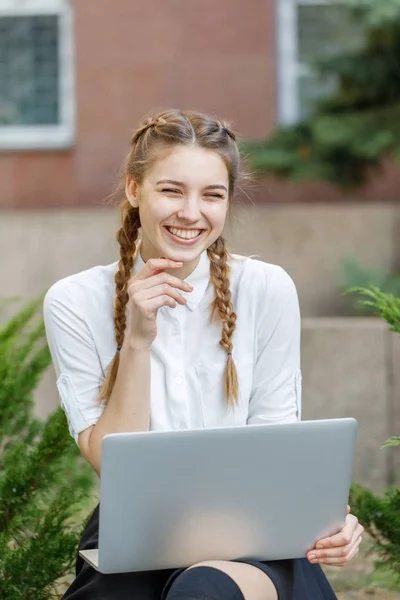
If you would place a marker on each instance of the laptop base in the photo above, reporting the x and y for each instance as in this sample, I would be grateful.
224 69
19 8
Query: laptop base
91 556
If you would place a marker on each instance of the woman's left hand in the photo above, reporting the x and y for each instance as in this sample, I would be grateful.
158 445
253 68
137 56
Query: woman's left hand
340 548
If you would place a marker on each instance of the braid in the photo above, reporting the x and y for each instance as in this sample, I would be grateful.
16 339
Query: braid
152 122
222 307
225 128
126 237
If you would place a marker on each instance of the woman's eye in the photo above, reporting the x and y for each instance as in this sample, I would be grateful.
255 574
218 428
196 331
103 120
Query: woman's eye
171 191
175 191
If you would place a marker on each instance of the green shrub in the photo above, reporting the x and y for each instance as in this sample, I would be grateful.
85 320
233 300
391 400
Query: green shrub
44 482
356 127
381 515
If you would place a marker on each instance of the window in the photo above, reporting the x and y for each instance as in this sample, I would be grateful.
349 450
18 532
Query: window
36 74
306 29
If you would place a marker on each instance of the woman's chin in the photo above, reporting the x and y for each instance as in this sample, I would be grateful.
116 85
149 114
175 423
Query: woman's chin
182 253
185 257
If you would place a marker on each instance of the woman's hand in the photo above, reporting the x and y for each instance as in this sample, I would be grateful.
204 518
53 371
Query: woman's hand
340 548
148 290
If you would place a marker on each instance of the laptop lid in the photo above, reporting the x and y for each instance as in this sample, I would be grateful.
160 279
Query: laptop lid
170 499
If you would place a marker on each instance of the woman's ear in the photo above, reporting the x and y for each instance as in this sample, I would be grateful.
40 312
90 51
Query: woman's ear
131 191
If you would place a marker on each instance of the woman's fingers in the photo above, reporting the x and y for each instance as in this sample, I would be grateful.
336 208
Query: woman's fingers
159 290
152 281
159 279
340 548
155 265
342 538
154 304
340 556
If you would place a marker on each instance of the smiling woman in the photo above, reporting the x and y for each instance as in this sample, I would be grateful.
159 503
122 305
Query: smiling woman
228 354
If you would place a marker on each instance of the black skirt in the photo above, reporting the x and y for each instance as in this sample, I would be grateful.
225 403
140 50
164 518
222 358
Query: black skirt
294 579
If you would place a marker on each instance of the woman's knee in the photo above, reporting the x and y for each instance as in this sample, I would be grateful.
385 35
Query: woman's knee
222 580
204 582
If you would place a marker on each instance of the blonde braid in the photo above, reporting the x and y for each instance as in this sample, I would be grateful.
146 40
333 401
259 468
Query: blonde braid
222 307
126 237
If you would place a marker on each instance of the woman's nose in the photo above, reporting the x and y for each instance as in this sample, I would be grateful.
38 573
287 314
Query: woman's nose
190 211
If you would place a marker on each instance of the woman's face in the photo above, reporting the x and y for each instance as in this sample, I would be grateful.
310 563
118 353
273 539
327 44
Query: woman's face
183 202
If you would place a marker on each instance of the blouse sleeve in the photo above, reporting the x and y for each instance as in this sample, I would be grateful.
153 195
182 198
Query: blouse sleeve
76 362
276 391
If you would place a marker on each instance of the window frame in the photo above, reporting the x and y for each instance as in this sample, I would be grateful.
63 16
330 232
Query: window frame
45 137
289 67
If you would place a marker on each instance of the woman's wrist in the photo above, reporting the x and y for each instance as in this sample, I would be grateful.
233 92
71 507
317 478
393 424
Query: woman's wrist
136 345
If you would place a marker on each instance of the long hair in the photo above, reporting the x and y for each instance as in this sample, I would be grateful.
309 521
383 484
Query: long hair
160 132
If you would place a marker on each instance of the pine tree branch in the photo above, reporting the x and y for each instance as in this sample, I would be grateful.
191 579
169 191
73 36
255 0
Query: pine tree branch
391 442
19 321
37 471
40 471
386 305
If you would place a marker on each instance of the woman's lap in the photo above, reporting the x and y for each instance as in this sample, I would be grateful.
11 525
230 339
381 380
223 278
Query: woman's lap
295 579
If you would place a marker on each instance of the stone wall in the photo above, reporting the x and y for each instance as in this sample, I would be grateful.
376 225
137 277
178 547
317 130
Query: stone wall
309 241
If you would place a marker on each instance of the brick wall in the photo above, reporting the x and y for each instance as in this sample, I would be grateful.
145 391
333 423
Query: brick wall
133 57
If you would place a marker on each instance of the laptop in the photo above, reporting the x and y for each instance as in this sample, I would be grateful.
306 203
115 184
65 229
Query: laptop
170 499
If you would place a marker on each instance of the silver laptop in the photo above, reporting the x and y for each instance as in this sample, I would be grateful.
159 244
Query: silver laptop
172 499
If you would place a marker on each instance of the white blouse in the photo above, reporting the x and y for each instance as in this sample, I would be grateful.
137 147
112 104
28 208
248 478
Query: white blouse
187 362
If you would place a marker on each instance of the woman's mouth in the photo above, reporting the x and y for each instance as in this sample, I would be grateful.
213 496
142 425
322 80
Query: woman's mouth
184 236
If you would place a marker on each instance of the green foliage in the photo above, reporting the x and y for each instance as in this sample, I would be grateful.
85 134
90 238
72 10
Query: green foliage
44 482
356 127
380 516
377 14
384 304
392 441
354 275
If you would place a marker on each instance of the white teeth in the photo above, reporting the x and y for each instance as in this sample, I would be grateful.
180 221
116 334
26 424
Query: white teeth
185 235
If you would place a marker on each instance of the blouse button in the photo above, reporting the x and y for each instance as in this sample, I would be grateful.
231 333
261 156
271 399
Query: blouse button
178 380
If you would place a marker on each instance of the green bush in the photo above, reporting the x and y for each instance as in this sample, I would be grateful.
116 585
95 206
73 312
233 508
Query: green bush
44 482
356 128
381 515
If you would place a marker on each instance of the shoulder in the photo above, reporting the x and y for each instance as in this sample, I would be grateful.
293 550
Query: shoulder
266 280
84 291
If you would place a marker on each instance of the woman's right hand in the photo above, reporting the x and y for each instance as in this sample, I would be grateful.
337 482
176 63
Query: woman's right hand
149 289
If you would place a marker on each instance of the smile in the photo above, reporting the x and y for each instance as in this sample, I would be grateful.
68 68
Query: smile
184 235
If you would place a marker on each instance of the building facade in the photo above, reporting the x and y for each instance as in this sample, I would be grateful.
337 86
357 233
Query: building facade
77 77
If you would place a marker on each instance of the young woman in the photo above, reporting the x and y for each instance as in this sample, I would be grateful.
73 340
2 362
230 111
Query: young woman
178 334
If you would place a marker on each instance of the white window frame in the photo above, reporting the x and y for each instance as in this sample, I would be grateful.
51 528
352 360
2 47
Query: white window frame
28 137
289 67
